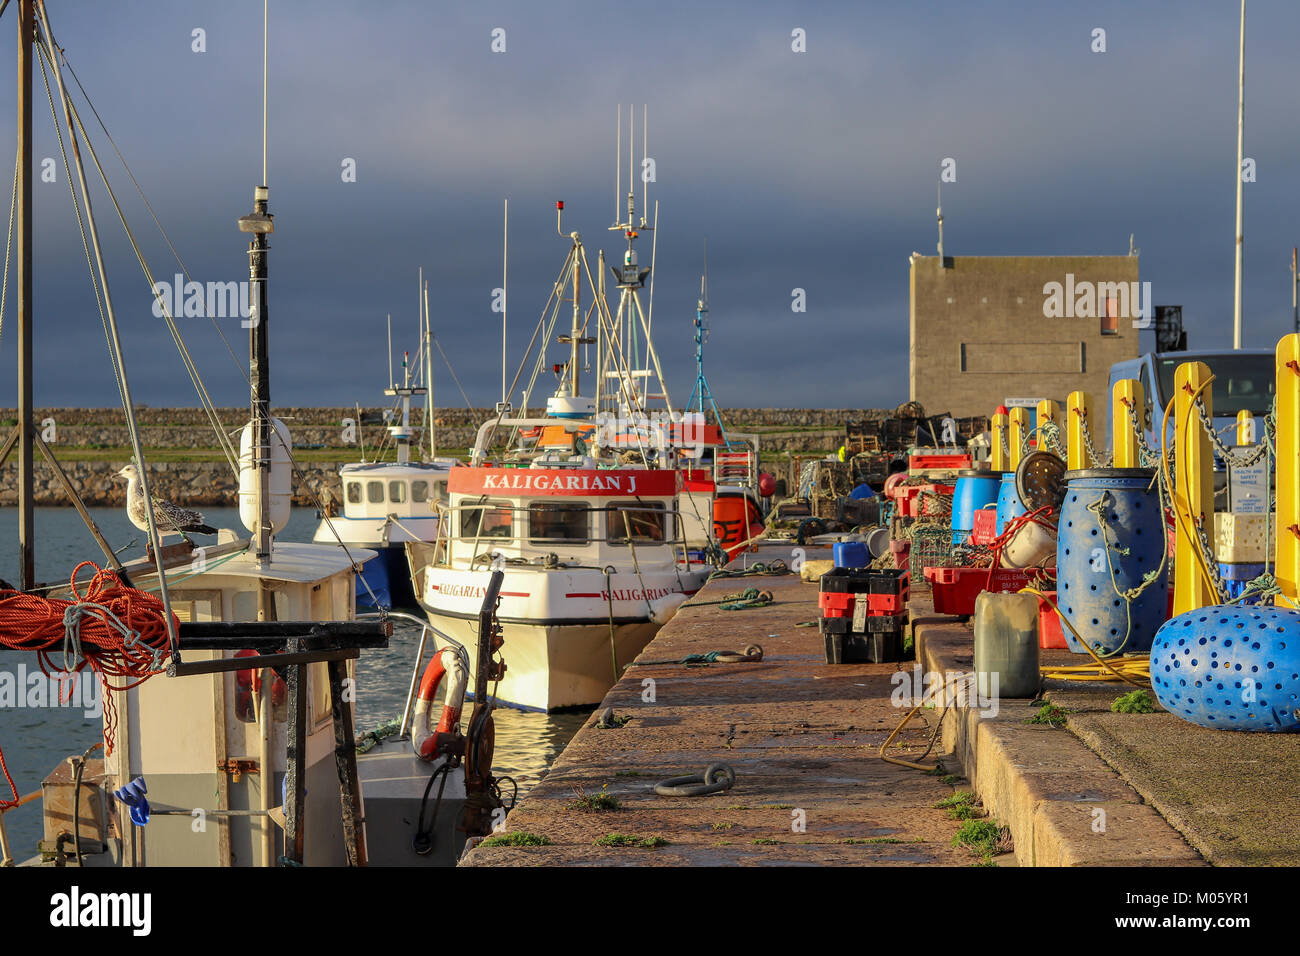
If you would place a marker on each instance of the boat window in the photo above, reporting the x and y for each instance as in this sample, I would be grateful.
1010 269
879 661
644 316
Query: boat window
645 521
354 492
441 488
491 520
375 492
419 491
557 521
397 492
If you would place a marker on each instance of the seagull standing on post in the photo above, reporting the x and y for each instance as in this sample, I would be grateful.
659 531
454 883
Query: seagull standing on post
168 517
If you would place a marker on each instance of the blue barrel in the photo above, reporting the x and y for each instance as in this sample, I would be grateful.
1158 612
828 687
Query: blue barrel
1228 667
1009 503
975 489
1086 559
850 554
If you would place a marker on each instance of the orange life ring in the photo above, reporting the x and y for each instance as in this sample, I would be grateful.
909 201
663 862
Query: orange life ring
424 738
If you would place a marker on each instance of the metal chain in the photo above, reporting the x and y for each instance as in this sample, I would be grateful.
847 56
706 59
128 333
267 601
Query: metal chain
1229 457
1097 460
1148 457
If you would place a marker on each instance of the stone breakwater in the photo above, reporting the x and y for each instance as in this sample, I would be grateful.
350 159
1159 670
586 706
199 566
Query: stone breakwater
189 483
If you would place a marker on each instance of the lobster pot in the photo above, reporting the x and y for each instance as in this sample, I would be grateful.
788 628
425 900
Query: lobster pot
1086 559
974 490
1009 503
1230 668
279 485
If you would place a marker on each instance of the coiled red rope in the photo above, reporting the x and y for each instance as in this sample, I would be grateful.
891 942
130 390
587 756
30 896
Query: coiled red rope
118 632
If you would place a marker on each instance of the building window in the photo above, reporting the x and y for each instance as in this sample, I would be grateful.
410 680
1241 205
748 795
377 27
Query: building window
1110 318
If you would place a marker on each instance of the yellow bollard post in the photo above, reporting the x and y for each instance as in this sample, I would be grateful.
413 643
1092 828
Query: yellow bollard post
1019 435
1126 394
1286 551
1078 407
998 458
1193 488
1245 428
1049 411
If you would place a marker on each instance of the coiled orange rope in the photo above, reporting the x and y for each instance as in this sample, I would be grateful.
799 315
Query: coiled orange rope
119 632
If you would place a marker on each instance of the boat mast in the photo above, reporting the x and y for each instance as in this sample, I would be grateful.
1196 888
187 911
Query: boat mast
428 365
26 477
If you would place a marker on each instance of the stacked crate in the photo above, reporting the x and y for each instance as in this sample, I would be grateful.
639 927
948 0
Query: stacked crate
862 615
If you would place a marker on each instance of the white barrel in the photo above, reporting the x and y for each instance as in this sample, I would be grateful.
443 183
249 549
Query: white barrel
280 485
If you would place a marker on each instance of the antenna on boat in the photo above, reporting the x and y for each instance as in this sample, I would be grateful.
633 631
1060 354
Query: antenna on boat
701 396
390 348
428 365
505 273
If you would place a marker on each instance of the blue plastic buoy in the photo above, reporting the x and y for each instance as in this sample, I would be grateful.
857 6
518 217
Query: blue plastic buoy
1087 561
974 490
1009 503
1231 668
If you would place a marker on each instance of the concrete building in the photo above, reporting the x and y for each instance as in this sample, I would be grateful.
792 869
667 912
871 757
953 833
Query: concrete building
988 328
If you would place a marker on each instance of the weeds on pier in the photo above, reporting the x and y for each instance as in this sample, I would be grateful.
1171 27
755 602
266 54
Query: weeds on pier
1050 715
1134 702
518 838
960 806
854 840
622 839
602 802
984 838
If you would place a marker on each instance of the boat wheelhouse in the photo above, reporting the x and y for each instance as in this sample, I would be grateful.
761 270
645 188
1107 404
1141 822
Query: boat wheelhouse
594 565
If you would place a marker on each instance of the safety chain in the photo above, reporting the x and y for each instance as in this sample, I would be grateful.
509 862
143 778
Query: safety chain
1148 457
1211 562
1229 457
1097 460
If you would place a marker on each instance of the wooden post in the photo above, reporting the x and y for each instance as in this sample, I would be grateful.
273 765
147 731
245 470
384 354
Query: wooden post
345 758
1078 409
1127 394
1019 418
1193 487
1287 549
998 459
1049 411
1245 427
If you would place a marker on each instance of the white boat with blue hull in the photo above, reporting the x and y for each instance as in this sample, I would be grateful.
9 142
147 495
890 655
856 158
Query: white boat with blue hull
386 505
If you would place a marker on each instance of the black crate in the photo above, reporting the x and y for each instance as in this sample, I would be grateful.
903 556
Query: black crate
888 581
881 647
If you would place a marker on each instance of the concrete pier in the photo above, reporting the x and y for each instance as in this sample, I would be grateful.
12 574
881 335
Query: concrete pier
1098 789
801 735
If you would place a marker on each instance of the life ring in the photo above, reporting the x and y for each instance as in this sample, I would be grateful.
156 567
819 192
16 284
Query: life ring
424 738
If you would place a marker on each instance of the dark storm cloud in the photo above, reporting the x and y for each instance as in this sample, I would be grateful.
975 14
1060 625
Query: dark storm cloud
814 171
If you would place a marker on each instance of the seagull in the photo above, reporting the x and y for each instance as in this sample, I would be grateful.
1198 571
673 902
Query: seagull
168 517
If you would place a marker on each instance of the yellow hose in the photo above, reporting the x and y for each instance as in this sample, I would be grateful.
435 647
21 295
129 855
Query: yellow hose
1133 669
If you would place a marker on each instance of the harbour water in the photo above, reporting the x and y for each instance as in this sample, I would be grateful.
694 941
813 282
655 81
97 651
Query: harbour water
35 739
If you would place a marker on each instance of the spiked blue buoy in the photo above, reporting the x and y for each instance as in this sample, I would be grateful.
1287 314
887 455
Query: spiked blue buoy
1231 668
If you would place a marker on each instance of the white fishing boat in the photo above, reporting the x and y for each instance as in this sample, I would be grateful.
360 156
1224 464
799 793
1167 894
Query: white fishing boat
388 503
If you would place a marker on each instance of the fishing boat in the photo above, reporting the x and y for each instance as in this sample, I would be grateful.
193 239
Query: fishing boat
228 669
387 503
579 509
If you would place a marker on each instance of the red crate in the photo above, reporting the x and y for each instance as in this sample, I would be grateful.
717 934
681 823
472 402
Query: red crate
835 604
986 526
955 589
935 462
1051 633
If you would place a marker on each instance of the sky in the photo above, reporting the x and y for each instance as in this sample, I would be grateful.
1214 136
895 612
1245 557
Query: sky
813 170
